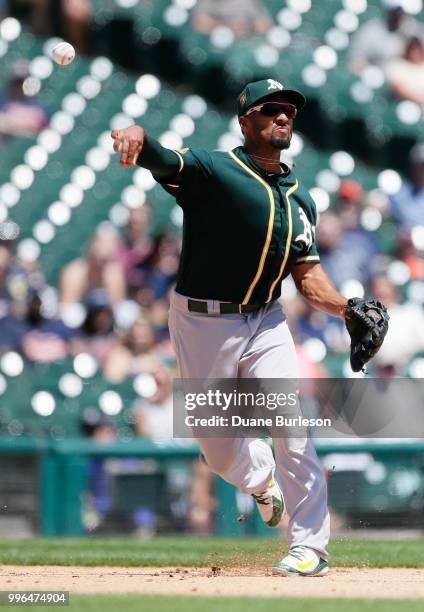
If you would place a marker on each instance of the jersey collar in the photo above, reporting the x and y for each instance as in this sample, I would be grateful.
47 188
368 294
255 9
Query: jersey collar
287 176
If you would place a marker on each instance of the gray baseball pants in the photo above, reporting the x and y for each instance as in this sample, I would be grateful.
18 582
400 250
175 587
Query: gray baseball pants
257 345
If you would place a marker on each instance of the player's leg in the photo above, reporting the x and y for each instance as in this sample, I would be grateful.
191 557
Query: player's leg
210 346
271 354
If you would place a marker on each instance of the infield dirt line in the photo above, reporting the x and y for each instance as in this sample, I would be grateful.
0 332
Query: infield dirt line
396 583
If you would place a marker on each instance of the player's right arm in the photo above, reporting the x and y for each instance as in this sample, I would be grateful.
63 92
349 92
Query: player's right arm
137 148
316 287
183 174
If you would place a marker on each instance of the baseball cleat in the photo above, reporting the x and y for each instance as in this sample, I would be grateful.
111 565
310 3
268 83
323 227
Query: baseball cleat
301 561
270 504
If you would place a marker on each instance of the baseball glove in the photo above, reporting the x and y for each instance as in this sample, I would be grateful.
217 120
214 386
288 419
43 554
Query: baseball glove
367 322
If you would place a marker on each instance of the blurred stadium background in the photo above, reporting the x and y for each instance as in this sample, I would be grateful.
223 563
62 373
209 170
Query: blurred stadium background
88 252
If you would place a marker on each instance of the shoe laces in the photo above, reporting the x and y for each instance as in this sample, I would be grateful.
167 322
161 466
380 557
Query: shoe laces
297 552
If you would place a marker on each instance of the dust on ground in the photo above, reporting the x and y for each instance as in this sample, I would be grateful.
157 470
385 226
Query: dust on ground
396 583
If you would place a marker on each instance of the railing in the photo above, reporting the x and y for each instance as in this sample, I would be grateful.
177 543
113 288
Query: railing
63 473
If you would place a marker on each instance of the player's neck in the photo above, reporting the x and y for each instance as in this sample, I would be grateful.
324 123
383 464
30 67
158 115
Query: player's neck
268 160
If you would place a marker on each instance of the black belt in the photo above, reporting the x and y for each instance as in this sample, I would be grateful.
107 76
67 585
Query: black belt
224 307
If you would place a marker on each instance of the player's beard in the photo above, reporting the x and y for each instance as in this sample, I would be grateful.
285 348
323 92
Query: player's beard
281 142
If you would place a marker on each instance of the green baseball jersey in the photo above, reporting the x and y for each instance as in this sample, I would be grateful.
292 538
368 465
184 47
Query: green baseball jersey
244 229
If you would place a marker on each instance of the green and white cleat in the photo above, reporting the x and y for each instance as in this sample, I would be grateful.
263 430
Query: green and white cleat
270 504
301 561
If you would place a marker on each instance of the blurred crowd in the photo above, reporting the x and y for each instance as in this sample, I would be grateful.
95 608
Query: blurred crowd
69 19
392 43
20 115
387 264
111 303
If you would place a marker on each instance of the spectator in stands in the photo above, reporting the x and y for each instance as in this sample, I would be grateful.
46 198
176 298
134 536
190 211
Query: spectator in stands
97 335
24 327
101 269
11 332
405 76
313 324
347 204
407 252
136 248
158 317
159 270
44 339
383 39
153 416
348 207
69 19
11 324
37 14
135 354
346 254
20 115
407 206
243 17
16 279
13 279
406 330
76 17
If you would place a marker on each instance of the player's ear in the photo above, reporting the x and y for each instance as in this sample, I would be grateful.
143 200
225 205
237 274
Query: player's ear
242 123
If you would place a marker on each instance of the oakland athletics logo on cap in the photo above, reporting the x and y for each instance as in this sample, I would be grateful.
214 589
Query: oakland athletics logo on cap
274 84
267 87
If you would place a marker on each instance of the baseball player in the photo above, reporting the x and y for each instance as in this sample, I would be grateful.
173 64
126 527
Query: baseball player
248 224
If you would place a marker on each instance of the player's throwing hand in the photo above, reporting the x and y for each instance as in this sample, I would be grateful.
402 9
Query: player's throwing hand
131 142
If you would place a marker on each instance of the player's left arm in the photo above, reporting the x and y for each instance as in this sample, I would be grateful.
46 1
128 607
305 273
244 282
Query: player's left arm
317 288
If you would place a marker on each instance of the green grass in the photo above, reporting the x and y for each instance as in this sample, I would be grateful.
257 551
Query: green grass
201 552
159 603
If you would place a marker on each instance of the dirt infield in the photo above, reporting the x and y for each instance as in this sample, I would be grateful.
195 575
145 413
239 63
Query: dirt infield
397 583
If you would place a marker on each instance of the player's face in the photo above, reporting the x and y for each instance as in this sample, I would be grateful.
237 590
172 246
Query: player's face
275 131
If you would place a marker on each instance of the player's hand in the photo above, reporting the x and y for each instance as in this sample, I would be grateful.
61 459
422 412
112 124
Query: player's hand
131 142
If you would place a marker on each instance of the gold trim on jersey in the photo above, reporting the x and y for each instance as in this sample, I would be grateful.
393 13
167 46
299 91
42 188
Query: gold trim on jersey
181 166
308 258
270 225
180 159
288 239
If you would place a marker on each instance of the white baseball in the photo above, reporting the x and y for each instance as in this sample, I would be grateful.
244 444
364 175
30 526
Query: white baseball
63 53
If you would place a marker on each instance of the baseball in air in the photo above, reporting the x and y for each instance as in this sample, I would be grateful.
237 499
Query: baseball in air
63 53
